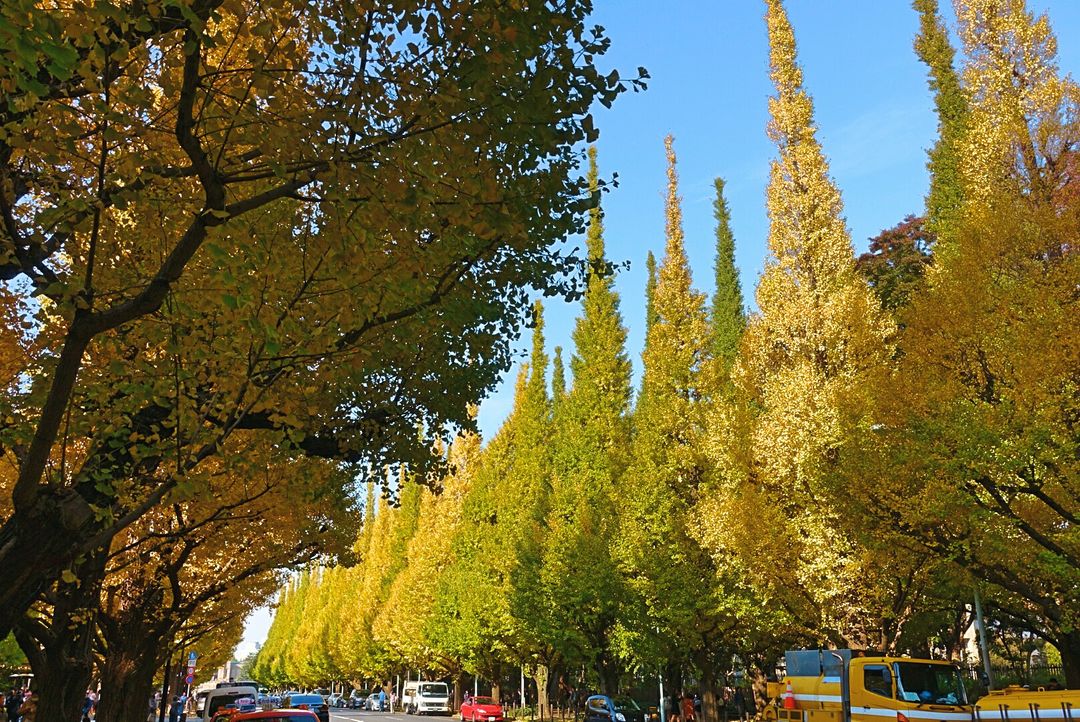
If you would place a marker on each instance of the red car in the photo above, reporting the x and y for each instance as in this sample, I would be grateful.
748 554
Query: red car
481 709
276 715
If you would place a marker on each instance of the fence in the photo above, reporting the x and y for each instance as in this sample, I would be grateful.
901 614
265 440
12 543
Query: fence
1021 674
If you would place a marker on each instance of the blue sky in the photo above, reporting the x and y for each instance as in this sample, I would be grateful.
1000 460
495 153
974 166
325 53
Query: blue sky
709 87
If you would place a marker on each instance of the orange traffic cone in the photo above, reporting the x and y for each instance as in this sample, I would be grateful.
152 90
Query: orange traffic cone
788 697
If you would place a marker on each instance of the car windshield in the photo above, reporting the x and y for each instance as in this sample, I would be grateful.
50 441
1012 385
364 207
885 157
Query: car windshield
433 690
624 703
484 700
927 683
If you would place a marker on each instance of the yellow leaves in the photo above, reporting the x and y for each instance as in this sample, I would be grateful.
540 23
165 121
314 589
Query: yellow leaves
1018 99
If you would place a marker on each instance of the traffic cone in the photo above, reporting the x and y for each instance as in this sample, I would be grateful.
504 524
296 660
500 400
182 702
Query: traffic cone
788 697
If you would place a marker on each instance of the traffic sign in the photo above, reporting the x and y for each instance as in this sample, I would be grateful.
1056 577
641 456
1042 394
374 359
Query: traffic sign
189 679
192 657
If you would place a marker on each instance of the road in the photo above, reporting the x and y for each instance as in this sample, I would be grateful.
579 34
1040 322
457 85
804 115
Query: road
356 715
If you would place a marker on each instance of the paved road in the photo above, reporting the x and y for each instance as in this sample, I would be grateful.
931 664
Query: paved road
356 715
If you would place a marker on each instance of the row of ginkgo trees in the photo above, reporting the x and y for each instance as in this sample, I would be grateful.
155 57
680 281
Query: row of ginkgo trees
845 467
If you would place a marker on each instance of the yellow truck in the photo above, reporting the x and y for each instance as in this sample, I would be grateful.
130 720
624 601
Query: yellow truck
843 685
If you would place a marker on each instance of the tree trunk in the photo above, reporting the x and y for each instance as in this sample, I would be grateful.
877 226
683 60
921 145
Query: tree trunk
459 680
608 672
127 679
759 684
132 634
61 651
62 689
496 682
35 546
1070 659
673 687
543 678
710 710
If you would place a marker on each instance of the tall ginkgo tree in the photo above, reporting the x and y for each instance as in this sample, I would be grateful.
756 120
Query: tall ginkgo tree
582 589
677 614
980 428
816 340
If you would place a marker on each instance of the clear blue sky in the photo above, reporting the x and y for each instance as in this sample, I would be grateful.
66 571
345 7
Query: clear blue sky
709 68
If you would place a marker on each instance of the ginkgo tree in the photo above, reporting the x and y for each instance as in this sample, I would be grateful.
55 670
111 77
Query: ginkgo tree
308 222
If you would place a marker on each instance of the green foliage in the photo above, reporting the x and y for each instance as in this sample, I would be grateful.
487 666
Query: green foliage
728 313
932 45
655 549
578 575
852 481
11 657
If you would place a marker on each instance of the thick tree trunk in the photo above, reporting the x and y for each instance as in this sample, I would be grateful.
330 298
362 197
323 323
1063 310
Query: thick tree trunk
62 688
759 684
459 681
127 682
608 673
1070 659
496 682
61 652
543 680
710 710
35 546
132 634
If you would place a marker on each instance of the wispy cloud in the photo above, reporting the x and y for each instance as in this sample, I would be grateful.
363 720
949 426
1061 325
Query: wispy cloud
879 139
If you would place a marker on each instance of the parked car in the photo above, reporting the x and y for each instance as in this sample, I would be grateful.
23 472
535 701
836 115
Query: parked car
357 699
481 709
336 700
373 704
313 702
276 715
601 708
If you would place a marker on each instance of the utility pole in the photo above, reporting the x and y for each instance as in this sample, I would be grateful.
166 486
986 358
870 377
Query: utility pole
984 648
663 707
165 687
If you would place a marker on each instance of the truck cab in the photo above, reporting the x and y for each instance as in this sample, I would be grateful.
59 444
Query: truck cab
842 685
419 697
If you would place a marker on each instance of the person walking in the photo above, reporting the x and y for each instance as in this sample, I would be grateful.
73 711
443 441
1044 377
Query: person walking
382 699
11 705
28 709
174 709
689 713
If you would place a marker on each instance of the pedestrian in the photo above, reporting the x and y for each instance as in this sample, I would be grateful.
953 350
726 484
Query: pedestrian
740 702
28 709
87 705
174 709
672 708
12 703
393 701
689 714
382 699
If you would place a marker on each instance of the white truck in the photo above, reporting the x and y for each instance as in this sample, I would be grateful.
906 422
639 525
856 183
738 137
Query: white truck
419 697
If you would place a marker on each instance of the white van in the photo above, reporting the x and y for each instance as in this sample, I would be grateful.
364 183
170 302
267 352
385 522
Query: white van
425 698
238 694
